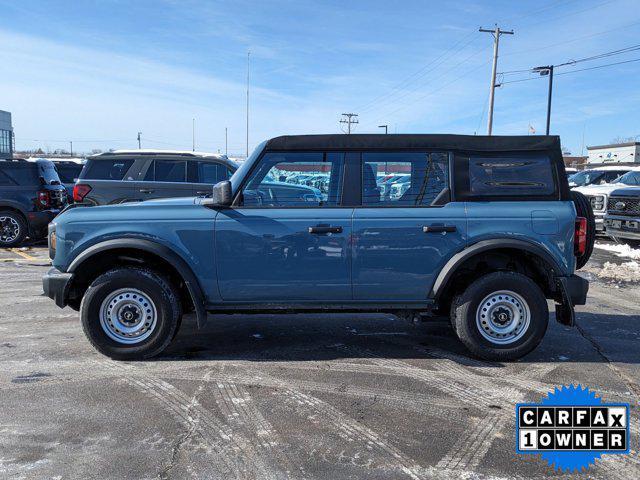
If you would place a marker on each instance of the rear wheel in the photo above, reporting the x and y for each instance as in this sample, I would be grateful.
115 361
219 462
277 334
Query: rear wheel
583 209
500 316
130 313
13 229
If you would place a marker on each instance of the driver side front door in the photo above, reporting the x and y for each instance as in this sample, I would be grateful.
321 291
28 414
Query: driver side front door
287 242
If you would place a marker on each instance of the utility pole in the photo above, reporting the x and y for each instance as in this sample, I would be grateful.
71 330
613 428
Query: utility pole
139 147
71 148
247 150
226 142
548 70
193 134
496 40
386 129
350 118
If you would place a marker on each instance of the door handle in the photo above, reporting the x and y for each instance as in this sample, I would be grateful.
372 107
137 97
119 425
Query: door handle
324 229
146 190
438 228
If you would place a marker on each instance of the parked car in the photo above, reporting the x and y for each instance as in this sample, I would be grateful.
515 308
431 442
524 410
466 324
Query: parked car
623 217
69 172
598 194
136 175
131 175
598 175
487 232
31 195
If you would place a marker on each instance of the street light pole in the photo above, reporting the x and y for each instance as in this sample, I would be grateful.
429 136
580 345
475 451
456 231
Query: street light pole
548 70
386 128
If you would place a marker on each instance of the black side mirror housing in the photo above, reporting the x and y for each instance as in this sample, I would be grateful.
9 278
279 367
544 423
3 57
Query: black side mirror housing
222 195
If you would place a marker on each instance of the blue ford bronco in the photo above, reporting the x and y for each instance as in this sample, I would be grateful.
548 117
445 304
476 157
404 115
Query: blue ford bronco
484 231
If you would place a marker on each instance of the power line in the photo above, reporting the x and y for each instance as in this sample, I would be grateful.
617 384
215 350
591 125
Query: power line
419 73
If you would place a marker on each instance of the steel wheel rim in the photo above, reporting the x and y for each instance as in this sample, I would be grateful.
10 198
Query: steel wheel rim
503 317
9 229
128 316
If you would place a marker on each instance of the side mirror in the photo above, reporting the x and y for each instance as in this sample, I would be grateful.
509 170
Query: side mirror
222 195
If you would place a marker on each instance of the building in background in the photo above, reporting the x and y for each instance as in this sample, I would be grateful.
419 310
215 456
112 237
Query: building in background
576 162
6 136
615 153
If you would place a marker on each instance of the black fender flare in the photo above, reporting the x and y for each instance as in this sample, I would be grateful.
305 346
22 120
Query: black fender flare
162 251
15 206
483 246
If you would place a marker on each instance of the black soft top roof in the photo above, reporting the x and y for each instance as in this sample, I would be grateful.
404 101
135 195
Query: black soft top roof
467 143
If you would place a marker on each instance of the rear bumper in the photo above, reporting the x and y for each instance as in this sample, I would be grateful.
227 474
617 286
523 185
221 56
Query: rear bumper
576 289
56 286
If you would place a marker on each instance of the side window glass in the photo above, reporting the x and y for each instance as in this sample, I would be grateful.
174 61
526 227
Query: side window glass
511 176
170 171
150 175
405 178
296 179
212 172
4 180
107 169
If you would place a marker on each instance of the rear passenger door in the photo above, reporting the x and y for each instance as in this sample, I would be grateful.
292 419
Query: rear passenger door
401 241
165 178
204 175
110 179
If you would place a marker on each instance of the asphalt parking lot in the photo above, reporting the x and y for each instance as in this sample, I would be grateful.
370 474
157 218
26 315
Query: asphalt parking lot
304 396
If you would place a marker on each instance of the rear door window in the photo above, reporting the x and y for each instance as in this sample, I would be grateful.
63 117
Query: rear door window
207 172
509 176
167 171
405 178
22 173
107 169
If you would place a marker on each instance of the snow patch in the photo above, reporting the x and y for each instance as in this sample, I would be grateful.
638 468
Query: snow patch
624 251
627 272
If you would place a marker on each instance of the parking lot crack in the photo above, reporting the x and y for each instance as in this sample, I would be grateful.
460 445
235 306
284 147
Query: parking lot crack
193 427
634 388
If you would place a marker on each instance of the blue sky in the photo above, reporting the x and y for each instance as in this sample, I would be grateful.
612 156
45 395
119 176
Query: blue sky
97 72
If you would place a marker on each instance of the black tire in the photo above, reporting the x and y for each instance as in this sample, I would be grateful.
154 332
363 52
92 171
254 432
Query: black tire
465 308
583 208
160 293
11 220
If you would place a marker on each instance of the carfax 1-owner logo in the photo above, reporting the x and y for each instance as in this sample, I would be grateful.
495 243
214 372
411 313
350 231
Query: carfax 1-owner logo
572 427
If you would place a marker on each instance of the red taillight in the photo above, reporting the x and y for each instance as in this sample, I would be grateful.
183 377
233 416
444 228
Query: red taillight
44 198
80 191
580 237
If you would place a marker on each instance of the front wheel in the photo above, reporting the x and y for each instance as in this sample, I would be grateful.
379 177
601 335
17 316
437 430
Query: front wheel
501 316
130 313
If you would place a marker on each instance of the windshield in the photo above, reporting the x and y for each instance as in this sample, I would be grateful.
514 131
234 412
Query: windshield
629 178
585 178
47 171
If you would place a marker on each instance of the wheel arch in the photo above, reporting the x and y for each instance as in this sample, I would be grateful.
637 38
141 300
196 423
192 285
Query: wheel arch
14 207
496 255
135 251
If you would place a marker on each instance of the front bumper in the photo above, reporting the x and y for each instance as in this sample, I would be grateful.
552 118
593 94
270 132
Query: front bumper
623 227
599 218
56 286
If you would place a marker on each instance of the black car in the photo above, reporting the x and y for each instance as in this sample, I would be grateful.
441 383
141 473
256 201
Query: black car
31 195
